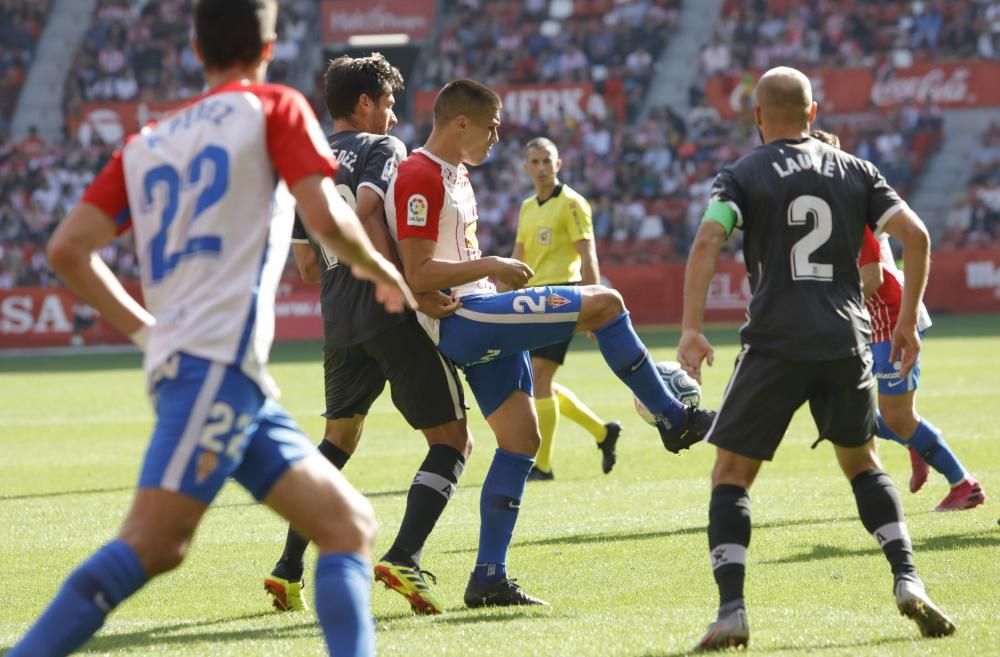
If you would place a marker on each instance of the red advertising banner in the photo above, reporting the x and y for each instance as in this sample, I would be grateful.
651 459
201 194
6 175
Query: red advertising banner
113 121
52 317
961 282
969 83
549 102
343 19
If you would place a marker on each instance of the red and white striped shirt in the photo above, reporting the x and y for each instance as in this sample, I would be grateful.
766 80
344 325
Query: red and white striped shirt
883 305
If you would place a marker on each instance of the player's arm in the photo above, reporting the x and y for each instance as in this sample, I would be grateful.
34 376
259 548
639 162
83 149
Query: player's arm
72 254
307 262
907 227
331 221
516 254
694 346
868 263
425 272
871 278
371 212
589 271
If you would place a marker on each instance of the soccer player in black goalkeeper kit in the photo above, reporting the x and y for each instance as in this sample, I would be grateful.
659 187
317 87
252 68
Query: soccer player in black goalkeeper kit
802 206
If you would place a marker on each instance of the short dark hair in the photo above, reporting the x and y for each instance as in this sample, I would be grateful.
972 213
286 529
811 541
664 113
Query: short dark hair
826 137
466 97
540 143
233 32
349 77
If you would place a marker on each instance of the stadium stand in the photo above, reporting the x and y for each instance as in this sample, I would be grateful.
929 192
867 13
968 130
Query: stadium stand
647 176
21 23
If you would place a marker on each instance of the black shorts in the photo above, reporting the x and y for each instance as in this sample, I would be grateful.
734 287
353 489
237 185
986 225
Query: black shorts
556 352
764 393
425 385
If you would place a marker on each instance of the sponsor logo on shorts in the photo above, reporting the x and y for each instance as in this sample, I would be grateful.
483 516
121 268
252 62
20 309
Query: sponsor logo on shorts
557 301
416 210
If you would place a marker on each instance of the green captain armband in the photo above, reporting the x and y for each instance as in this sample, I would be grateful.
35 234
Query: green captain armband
723 214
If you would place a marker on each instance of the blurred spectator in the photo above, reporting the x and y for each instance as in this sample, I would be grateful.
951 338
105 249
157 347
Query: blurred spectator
21 23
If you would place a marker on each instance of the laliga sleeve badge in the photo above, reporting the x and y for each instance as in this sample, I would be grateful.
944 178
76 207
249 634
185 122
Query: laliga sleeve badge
416 210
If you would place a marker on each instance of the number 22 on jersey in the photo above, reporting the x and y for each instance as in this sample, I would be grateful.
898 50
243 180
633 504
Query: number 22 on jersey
208 175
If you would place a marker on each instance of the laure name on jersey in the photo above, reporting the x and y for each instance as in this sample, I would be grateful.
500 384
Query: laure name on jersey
805 161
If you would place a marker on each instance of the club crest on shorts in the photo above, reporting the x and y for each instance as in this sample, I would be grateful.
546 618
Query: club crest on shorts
416 210
556 301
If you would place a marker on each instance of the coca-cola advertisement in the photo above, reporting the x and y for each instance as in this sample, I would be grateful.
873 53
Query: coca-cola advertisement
343 19
971 83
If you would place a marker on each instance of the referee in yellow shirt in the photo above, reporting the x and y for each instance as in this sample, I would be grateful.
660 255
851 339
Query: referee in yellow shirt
555 237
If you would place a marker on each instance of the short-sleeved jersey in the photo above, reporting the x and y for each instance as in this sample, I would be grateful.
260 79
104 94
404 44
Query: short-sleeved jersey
350 311
883 305
433 200
548 230
803 206
206 193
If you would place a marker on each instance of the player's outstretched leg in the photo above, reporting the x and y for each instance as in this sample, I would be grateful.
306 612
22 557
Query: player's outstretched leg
286 583
931 448
433 486
603 311
605 434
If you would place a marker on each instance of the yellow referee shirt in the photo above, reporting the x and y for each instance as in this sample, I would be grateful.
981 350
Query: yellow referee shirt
547 230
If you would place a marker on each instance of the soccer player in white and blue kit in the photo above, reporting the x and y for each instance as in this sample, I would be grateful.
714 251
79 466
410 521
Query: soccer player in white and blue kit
210 193
432 210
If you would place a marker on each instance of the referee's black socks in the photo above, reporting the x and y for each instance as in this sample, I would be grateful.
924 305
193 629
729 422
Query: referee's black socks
882 515
432 487
728 540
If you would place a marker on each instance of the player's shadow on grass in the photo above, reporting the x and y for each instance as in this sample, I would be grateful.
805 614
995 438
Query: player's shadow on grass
613 537
63 493
929 544
177 633
800 649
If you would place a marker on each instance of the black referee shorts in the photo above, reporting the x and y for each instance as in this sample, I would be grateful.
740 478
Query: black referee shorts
425 385
764 392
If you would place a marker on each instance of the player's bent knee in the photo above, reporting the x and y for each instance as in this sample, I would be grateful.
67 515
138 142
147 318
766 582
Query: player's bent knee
156 555
353 531
602 304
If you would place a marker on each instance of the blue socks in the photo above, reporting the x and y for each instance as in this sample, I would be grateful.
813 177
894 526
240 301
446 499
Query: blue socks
499 504
96 587
628 359
930 444
343 604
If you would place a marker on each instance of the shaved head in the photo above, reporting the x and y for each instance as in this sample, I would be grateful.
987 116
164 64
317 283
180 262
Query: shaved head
784 96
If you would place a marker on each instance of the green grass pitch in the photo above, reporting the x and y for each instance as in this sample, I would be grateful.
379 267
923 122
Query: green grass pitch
622 558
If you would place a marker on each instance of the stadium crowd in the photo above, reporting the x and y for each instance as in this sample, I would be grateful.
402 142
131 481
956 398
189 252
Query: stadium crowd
21 23
975 218
647 177
759 34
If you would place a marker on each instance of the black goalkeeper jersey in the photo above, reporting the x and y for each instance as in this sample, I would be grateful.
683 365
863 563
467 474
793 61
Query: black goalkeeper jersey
803 207
350 311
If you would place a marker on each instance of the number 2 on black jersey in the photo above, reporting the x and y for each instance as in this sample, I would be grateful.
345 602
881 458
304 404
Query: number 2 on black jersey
800 210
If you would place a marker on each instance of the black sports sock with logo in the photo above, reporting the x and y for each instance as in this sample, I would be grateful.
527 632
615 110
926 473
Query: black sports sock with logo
432 487
728 540
882 515
290 567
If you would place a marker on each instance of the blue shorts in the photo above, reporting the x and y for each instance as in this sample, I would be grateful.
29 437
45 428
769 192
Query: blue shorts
213 422
887 373
490 335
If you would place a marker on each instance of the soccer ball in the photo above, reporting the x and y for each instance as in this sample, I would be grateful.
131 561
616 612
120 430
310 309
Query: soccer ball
678 382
